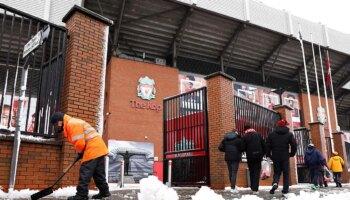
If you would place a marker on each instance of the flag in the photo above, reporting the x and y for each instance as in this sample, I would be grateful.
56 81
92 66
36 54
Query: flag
328 71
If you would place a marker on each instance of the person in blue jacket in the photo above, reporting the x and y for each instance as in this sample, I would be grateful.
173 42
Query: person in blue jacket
314 161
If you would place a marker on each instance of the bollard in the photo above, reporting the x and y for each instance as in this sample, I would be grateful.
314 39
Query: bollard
122 173
170 163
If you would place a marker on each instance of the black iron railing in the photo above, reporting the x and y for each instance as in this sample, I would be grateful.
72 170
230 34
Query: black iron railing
263 120
45 73
329 147
302 138
186 138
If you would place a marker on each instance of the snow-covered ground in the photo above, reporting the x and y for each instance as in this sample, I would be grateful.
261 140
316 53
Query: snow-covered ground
152 189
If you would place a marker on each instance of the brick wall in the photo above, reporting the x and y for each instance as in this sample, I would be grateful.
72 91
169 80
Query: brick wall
304 106
38 163
84 65
220 121
126 122
84 71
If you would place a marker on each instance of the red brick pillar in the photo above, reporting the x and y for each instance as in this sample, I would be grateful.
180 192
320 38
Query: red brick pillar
220 121
286 113
83 93
317 137
339 146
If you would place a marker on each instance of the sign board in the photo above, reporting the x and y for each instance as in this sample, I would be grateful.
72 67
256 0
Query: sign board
36 41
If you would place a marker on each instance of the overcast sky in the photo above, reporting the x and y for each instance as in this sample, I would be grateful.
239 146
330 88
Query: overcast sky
333 13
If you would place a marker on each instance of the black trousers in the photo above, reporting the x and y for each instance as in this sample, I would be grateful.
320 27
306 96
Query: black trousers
93 168
280 167
337 177
232 170
254 173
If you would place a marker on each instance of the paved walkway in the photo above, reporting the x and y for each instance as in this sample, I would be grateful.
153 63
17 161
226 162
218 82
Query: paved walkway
187 193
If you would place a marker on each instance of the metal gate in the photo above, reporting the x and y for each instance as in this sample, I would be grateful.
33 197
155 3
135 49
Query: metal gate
329 147
303 140
186 138
45 74
302 137
262 119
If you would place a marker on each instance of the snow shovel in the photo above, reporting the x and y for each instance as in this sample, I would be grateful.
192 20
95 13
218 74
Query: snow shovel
49 190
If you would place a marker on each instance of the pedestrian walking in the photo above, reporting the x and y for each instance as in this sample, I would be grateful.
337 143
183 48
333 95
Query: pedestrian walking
254 147
92 150
314 161
280 146
232 146
336 164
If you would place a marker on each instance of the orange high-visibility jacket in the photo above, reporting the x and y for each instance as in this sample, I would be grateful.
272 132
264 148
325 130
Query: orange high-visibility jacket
81 134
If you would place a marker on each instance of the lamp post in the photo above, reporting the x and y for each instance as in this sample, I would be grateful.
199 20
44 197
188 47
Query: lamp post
29 49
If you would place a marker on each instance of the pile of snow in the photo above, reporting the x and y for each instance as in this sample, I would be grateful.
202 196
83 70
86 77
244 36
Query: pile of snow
152 189
205 193
17 194
249 197
316 195
26 193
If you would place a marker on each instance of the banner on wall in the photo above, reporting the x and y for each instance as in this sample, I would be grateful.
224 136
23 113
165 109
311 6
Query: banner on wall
189 82
6 110
347 147
138 160
266 98
193 101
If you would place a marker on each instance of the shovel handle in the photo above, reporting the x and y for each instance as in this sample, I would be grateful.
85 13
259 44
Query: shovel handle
67 169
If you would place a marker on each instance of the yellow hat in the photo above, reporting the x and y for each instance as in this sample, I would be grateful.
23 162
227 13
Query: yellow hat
335 153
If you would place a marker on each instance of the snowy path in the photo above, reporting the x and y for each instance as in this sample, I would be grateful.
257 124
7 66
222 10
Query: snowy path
131 192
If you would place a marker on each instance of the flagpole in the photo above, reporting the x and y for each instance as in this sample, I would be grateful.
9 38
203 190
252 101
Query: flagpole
334 107
306 78
316 76
325 93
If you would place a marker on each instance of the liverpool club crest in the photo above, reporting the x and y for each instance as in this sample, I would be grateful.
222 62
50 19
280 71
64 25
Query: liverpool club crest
146 89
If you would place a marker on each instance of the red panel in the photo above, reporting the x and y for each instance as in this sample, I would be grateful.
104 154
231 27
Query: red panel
190 126
158 170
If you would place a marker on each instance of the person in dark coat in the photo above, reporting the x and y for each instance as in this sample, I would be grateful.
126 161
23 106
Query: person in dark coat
278 144
255 149
232 146
314 161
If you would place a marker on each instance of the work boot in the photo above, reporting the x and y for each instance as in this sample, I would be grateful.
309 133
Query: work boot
274 187
340 185
78 197
101 195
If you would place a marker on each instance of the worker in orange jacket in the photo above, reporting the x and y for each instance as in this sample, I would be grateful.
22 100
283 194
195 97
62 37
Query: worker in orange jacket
91 148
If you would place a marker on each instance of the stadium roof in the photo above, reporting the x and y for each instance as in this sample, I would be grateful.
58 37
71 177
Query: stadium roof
252 42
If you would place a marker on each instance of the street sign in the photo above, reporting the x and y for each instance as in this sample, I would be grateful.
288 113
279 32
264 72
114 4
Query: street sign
36 41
